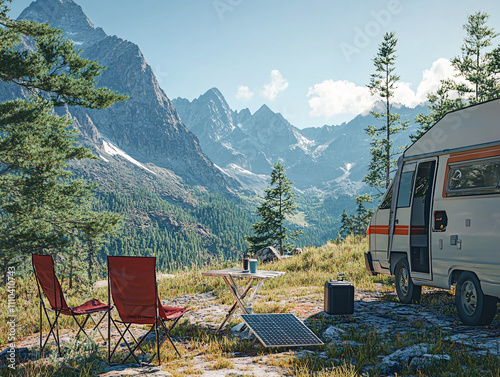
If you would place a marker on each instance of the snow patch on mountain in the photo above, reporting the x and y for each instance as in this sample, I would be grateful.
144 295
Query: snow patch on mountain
115 151
302 142
319 150
348 166
256 182
346 169
241 170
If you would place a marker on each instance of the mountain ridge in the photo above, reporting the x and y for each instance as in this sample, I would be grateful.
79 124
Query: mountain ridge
328 158
147 126
177 205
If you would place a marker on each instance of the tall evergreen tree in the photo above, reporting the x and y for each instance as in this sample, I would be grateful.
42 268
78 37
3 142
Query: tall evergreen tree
474 65
357 223
279 203
42 208
478 69
382 85
345 226
440 103
363 215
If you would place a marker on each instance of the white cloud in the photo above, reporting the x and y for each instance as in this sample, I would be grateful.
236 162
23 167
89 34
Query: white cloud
405 95
330 98
278 84
244 93
441 69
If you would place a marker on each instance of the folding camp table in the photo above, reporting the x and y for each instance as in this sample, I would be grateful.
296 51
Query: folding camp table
228 275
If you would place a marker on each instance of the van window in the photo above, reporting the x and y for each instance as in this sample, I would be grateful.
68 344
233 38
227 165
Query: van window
405 185
386 203
474 178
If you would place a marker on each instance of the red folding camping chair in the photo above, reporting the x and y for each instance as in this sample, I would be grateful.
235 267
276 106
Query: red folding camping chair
132 284
43 267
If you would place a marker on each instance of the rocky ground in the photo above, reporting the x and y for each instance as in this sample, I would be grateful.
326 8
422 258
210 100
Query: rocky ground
374 320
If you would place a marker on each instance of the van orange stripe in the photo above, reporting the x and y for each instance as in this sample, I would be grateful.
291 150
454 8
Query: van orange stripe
465 156
401 230
378 229
474 155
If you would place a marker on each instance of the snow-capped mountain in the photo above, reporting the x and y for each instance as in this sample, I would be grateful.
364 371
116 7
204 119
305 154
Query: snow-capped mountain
329 158
145 128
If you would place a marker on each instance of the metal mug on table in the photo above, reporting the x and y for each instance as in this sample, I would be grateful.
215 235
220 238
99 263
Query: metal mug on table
253 265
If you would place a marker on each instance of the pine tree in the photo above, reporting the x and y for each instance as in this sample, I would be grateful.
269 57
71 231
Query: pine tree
440 103
362 216
43 209
279 203
382 85
357 223
478 69
346 226
475 65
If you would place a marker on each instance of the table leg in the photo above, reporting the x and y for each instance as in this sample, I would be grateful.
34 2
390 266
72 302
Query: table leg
229 315
233 288
240 296
254 293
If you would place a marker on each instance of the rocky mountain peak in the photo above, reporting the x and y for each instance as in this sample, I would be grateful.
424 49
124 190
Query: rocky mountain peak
267 121
208 113
213 94
243 115
146 127
67 16
214 99
264 111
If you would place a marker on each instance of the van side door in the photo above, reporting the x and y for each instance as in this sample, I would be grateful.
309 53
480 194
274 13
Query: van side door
400 231
420 221
379 230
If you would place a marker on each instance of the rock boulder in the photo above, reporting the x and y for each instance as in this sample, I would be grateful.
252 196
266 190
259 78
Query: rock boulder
267 254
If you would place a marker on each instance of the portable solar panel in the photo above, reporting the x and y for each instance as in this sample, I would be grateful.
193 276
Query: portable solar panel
280 330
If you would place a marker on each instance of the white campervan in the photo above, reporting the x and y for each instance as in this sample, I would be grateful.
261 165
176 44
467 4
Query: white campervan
439 222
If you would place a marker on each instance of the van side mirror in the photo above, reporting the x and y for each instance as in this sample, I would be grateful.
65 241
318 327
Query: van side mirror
440 221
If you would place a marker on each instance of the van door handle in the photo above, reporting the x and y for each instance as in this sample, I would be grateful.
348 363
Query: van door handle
396 221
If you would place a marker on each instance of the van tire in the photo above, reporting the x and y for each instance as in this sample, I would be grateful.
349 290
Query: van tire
406 290
474 308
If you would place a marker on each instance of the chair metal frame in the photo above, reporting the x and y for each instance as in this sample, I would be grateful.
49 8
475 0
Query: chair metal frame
158 323
54 326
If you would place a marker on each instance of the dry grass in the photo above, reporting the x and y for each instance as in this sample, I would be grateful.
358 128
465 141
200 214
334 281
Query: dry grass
221 363
305 278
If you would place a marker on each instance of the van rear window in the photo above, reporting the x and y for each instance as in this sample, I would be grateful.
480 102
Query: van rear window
477 177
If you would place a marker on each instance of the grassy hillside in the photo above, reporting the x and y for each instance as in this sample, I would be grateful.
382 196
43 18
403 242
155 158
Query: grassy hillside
309 270
302 284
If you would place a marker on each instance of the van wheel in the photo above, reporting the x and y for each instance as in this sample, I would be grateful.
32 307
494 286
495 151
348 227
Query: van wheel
474 308
406 290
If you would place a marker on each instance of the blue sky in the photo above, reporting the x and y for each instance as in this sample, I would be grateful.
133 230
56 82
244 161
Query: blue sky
309 60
